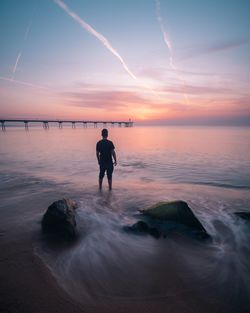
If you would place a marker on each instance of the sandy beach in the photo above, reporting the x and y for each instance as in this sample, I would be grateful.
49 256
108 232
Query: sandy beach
26 285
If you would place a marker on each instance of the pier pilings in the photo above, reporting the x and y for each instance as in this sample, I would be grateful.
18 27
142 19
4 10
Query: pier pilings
45 124
73 123
3 126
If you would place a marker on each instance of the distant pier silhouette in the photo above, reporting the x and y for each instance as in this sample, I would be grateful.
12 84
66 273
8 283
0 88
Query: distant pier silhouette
46 123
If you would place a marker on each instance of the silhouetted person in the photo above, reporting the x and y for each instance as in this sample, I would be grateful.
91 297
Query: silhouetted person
105 153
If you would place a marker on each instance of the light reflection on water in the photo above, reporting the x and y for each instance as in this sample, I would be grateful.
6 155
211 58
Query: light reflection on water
213 156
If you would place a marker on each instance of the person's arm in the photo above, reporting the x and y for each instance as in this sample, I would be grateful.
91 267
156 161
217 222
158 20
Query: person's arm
114 157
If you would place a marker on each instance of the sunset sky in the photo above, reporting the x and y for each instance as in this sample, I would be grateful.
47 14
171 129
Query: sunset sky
167 61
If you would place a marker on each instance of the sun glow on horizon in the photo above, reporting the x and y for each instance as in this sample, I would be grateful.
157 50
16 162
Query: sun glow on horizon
63 65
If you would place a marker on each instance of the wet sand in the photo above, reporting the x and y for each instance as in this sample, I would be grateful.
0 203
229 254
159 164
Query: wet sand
26 285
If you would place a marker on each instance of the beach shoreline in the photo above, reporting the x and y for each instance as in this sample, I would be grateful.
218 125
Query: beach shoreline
27 285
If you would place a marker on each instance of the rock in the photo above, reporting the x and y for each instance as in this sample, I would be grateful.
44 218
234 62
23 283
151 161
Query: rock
244 215
60 218
143 227
178 212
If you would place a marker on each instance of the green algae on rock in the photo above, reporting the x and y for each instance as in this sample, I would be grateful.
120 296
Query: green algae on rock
178 212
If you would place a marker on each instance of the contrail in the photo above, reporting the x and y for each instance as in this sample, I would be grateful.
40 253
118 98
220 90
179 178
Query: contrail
167 41
25 38
166 37
28 28
17 60
93 32
20 82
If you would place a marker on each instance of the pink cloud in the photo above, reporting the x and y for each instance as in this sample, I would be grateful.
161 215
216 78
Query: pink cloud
161 73
209 104
103 99
196 90
213 48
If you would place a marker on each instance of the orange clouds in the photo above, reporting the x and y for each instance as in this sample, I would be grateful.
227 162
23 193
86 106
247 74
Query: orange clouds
131 104
207 104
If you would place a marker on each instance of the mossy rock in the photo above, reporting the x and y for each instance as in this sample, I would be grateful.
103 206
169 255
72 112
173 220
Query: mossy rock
175 211
141 227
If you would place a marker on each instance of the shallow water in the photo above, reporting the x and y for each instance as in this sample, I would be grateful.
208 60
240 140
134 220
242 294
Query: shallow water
209 156
107 262
207 167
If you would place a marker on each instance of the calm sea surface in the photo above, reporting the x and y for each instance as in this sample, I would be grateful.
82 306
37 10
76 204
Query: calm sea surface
203 156
209 167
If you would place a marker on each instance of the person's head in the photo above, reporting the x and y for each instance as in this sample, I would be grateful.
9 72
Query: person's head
105 133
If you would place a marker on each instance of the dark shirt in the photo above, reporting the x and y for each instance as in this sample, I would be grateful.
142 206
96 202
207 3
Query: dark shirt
105 147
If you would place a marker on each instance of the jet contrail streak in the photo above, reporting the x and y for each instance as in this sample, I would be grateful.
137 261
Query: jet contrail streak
20 82
27 30
25 38
165 34
17 60
93 32
167 41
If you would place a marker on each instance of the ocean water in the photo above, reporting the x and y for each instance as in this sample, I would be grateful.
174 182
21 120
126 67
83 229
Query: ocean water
209 167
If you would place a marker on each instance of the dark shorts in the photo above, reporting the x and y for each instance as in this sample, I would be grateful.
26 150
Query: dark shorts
106 167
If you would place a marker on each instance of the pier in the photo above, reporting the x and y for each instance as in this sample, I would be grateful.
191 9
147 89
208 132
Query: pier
46 123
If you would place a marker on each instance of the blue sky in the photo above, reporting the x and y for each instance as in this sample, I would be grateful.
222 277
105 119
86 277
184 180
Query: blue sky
51 66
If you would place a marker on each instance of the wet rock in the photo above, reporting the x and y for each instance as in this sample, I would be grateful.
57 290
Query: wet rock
143 227
244 215
60 218
178 212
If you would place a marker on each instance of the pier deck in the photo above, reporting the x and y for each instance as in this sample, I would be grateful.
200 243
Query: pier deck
60 123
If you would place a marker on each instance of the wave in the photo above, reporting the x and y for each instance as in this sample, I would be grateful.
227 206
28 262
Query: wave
108 263
221 185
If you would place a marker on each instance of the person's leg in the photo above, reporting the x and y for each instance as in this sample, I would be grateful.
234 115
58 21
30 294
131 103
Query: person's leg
109 175
101 175
110 183
100 183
